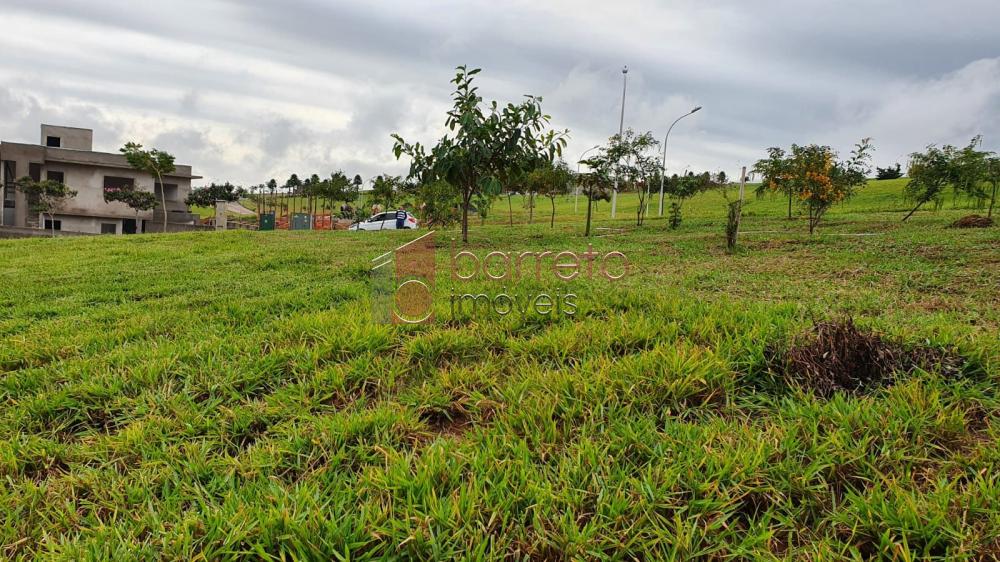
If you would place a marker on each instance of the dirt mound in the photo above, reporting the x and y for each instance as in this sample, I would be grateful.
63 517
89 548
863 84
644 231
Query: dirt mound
840 357
972 221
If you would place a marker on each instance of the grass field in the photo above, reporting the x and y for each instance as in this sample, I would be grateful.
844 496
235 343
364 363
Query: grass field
228 396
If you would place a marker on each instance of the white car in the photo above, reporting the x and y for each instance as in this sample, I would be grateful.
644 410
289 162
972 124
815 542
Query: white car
385 221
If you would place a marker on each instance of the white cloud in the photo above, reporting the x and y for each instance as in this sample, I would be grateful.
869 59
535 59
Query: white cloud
245 92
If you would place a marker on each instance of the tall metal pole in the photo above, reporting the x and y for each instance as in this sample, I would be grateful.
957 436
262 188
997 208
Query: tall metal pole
663 168
577 197
621 130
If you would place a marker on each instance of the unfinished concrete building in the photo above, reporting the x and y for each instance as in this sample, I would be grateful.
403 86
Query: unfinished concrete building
66 154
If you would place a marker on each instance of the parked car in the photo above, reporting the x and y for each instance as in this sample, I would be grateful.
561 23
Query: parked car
385 221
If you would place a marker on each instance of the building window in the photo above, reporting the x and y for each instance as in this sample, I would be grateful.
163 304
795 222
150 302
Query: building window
48 224
54 142
9 177
55 176
35 171
112 183
109 228
170 188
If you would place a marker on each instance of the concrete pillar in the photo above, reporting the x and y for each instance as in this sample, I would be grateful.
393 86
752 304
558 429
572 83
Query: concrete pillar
220 215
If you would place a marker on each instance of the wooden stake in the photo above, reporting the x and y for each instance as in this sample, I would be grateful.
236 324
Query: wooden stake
739 208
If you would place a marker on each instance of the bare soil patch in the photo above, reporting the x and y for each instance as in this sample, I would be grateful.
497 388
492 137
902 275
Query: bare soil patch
838 356
972 221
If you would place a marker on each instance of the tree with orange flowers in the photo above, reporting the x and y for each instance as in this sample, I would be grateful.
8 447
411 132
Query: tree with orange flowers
815 176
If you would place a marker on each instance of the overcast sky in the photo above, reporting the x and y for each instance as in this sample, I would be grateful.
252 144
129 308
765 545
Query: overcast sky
247 91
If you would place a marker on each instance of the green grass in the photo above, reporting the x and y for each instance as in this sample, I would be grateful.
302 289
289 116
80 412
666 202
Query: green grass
227 396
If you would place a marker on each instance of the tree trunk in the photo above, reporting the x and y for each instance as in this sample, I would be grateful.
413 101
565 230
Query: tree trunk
789 204
531 207
552 223
914 210
993 199
590 201
163 200
510 209
465 218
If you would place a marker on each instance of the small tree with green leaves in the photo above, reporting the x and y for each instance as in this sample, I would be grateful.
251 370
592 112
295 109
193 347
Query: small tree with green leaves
483 144
971 168
682 188
630 161
815 176
440 203
776 176
46 196
597 186
136 199
550 180
154 162
931 172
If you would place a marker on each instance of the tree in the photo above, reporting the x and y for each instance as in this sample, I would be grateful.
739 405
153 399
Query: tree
550 180
597 186
734 208
971 168
47 196
776 177
154 162
337 188
993 176
346 190
311 188
682 188
440 203
815 176
931 172
516 185
292 186
482 145
135 199
386 191
207 196
890 173
630 160
272 186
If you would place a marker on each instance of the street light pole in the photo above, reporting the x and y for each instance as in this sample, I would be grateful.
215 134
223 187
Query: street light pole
577 197
663 169
621 131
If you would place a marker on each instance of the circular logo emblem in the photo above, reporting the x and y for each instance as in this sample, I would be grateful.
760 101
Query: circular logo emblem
413 302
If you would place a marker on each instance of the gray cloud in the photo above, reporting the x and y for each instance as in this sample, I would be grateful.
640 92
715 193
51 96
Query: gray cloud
249 91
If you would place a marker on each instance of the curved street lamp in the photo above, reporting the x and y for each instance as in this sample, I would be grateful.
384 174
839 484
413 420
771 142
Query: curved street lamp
663 169
577 197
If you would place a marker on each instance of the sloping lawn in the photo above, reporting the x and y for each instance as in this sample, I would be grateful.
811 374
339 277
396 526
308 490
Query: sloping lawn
229 396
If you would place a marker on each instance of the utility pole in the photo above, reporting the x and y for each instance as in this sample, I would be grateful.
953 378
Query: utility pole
621 131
